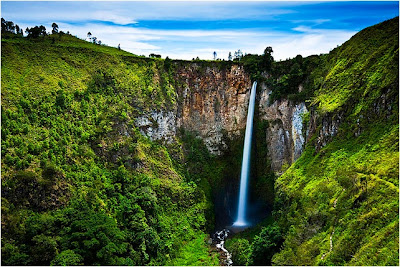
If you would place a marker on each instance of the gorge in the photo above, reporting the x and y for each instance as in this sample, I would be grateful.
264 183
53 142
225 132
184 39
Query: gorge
109 158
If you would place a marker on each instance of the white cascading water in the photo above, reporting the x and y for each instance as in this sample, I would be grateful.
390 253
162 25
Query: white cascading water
244 176
220 237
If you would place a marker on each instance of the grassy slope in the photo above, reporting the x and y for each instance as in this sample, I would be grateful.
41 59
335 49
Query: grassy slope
74 189
348 191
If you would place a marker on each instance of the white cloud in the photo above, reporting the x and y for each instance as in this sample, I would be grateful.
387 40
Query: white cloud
188 44
309 43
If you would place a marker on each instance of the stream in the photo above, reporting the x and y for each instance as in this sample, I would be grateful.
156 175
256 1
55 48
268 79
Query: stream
219 239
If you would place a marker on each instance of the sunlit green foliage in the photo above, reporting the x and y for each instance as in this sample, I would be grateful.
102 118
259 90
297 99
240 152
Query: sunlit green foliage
196 252
346 192
80 184
359 69
287 77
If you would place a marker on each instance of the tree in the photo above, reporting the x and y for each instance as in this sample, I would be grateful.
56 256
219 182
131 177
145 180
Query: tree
89 35
36 31
238 55
44 249
93 236
240 251
167 63
10 26
215 55
230 56
7 26
55 28
3 25
18 30
268 59
265 245
94 39
42 30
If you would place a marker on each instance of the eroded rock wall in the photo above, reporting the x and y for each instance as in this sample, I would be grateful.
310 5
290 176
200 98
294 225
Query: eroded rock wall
285 134
211 100
214 101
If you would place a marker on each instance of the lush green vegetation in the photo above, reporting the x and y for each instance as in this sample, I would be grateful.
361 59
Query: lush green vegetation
284 77
347 191
291 78
258 65
197 253
80 184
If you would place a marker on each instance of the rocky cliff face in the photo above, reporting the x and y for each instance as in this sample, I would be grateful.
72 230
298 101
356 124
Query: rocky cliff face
213 101
285 134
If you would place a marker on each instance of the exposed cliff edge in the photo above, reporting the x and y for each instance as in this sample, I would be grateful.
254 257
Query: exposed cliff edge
211 100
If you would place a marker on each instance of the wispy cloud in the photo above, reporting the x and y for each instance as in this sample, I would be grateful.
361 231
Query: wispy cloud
102 15
202 43
125 12
311 21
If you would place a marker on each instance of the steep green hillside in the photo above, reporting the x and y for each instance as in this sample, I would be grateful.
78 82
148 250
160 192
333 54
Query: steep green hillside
338 204
80 184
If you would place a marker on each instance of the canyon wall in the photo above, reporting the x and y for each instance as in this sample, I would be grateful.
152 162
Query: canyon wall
213 101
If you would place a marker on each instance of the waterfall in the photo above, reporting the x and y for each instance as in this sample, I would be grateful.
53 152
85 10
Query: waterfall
244 176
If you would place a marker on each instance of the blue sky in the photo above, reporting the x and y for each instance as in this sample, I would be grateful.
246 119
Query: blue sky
185 30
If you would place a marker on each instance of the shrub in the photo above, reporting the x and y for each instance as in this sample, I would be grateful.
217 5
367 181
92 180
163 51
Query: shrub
265 245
